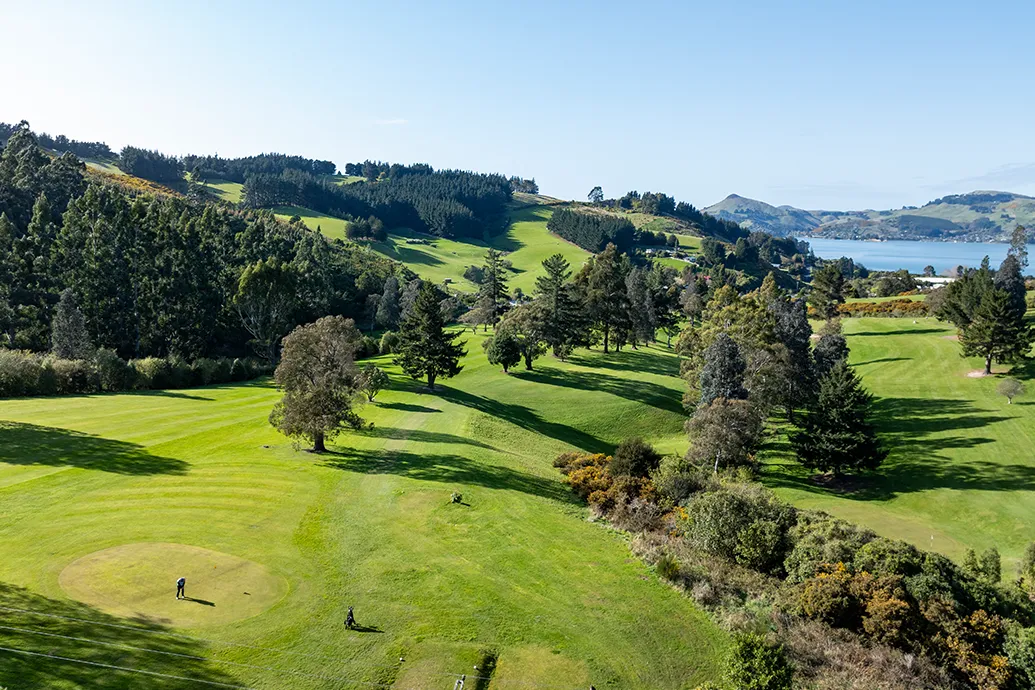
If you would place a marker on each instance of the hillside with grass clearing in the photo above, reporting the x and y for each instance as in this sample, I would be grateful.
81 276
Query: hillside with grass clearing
526 243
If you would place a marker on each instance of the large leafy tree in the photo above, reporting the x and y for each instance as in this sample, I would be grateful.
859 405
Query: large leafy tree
525 326
828 290
836 434
68 335
321 383
725 433
265 301
502 349
388 307
743 319
723 373
426 349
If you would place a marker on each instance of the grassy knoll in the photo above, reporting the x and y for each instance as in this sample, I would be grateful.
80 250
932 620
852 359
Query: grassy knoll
961 472
329 225
225 190
96 488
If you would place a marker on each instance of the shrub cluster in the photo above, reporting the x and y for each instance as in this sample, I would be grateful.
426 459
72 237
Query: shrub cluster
591 477
813 569
24 373
897 308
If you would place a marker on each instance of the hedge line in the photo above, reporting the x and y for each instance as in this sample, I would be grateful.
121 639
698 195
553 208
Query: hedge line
895 308
24 373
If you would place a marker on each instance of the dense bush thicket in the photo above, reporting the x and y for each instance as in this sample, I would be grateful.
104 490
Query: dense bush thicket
150 165
448 203
894 308
239 169
25 373
763 565
155 275
592 231
61 143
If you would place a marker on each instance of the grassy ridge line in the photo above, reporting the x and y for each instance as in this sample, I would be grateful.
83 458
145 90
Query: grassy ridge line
519 570
960 474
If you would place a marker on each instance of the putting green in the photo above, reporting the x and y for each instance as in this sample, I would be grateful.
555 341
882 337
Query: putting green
139 580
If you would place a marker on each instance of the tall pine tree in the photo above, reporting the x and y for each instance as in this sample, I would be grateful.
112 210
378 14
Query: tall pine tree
426 349
836 433
606 295
494 285
561 312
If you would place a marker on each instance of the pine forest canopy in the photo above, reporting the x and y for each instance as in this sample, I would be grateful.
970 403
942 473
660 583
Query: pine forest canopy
154 275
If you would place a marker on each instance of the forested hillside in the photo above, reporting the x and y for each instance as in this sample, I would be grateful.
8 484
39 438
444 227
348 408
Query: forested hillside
157 274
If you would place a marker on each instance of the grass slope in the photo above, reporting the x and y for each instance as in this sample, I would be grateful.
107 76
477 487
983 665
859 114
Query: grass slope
961 472
225 190
517 572
526 242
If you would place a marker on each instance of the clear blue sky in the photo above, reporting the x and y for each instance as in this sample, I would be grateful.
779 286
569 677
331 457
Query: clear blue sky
819 105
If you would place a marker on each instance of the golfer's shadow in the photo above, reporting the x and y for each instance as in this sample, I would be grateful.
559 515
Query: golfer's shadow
365 629
203 602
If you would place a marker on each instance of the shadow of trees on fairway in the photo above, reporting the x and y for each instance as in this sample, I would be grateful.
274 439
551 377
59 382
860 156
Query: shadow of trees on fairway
640 360
880 361
643 392
421 436
918 432
31 444
527 419
77 631
901 331
407 407
447 469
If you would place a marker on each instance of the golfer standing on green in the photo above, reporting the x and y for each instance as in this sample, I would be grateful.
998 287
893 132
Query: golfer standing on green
180 584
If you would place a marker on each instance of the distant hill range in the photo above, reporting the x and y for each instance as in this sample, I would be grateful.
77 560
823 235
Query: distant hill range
975 217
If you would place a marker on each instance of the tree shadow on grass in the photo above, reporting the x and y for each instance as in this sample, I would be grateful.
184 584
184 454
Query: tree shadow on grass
421 436
640 360
407 407
77 631
527 419
901 331
918 432
881 360
447 469
31 444
644 392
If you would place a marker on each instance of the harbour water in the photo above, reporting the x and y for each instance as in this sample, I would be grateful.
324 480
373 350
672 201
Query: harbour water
913 256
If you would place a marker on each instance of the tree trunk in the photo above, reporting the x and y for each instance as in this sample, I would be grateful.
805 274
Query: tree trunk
318 445
988 364
606 333
431 381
